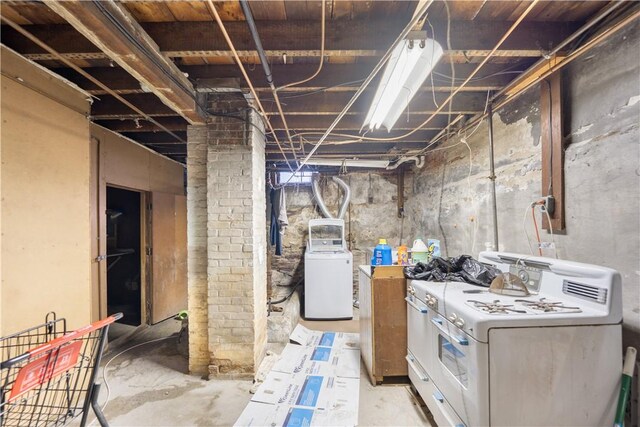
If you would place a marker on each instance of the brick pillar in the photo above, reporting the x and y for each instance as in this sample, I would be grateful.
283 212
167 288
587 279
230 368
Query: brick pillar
197 137
235 254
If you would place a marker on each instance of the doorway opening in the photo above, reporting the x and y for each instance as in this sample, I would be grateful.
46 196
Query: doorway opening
124 266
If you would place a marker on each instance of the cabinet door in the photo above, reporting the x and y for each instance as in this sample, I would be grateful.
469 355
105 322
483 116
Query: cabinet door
366 332
168 255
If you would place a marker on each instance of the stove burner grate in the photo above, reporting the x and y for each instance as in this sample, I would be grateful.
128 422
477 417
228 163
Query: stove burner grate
546 306
495 307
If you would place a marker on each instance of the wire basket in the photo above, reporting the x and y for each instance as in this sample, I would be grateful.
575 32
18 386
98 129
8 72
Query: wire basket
47 376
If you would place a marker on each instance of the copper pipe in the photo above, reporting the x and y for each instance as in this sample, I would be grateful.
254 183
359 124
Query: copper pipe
322 36
215 14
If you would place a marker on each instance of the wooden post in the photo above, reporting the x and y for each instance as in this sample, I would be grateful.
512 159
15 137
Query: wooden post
552 148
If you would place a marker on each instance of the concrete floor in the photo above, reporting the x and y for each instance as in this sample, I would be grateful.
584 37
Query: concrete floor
150 386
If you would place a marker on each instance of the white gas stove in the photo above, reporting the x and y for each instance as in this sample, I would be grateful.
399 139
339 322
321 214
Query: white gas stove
549 358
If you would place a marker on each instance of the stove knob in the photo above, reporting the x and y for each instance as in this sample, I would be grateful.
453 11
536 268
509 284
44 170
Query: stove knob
453 318
524 276
459 322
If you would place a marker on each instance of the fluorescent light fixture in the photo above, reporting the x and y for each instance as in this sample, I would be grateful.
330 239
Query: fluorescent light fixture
409 65
355 163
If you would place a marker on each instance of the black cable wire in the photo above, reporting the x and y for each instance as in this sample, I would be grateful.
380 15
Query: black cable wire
281 300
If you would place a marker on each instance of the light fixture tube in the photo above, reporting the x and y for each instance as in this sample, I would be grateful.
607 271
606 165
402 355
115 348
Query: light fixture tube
409 65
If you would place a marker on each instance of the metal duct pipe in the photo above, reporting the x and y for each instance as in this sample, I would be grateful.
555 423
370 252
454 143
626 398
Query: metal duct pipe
319 200
346 198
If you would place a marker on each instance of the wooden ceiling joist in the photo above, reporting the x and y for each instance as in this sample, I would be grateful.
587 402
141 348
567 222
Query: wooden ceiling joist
115 32
297 123
356 38
334 77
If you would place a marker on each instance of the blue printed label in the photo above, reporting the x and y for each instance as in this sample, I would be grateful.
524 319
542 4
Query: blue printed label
298 417
327 339
321 354
310 391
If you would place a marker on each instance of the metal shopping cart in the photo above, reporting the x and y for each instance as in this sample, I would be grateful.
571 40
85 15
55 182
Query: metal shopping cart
47 376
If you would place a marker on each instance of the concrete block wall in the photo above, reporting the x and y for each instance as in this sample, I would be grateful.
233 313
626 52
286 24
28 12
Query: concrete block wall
228 206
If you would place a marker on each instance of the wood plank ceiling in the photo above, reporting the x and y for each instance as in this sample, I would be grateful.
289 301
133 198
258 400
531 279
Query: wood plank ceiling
357 34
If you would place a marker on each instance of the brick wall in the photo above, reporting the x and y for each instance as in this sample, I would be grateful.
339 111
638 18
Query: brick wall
228 209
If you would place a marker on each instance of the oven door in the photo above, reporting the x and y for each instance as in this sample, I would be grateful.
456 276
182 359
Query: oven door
460 370
418 331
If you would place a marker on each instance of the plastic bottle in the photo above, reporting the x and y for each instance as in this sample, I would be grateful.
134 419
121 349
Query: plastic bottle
419 251
382 254
403 255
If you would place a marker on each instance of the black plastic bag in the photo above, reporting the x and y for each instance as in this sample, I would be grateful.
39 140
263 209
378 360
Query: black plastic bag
457 269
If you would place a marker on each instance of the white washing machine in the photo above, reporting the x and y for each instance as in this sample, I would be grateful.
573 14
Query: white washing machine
328 272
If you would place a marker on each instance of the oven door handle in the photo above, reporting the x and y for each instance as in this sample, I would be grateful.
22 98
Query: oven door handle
414 305
410 360
438 322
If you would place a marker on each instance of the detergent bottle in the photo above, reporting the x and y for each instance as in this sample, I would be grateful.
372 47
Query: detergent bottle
382 254
403 255
419 251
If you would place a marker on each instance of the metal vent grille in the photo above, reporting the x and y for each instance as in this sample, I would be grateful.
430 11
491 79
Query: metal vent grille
588 292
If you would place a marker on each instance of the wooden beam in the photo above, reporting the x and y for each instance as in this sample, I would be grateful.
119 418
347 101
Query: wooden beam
108 106
325 102
321 104
300 38
296 122
354 138
352 122
111 28
356 149
552 146
156 137
336 77
141 125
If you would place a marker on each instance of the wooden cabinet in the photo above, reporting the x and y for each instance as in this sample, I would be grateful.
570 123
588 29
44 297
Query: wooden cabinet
383 322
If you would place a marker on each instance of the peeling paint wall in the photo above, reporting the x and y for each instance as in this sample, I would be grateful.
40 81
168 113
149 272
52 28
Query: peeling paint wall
450 197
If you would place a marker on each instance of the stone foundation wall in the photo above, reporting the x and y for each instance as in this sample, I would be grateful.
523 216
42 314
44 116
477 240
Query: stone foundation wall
372 215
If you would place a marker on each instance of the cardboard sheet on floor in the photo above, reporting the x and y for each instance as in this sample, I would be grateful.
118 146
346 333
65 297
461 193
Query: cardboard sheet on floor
307 337
309 385
263 414
326 361
314 391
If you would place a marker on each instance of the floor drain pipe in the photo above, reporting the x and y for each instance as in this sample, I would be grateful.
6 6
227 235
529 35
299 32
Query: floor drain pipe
492 177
